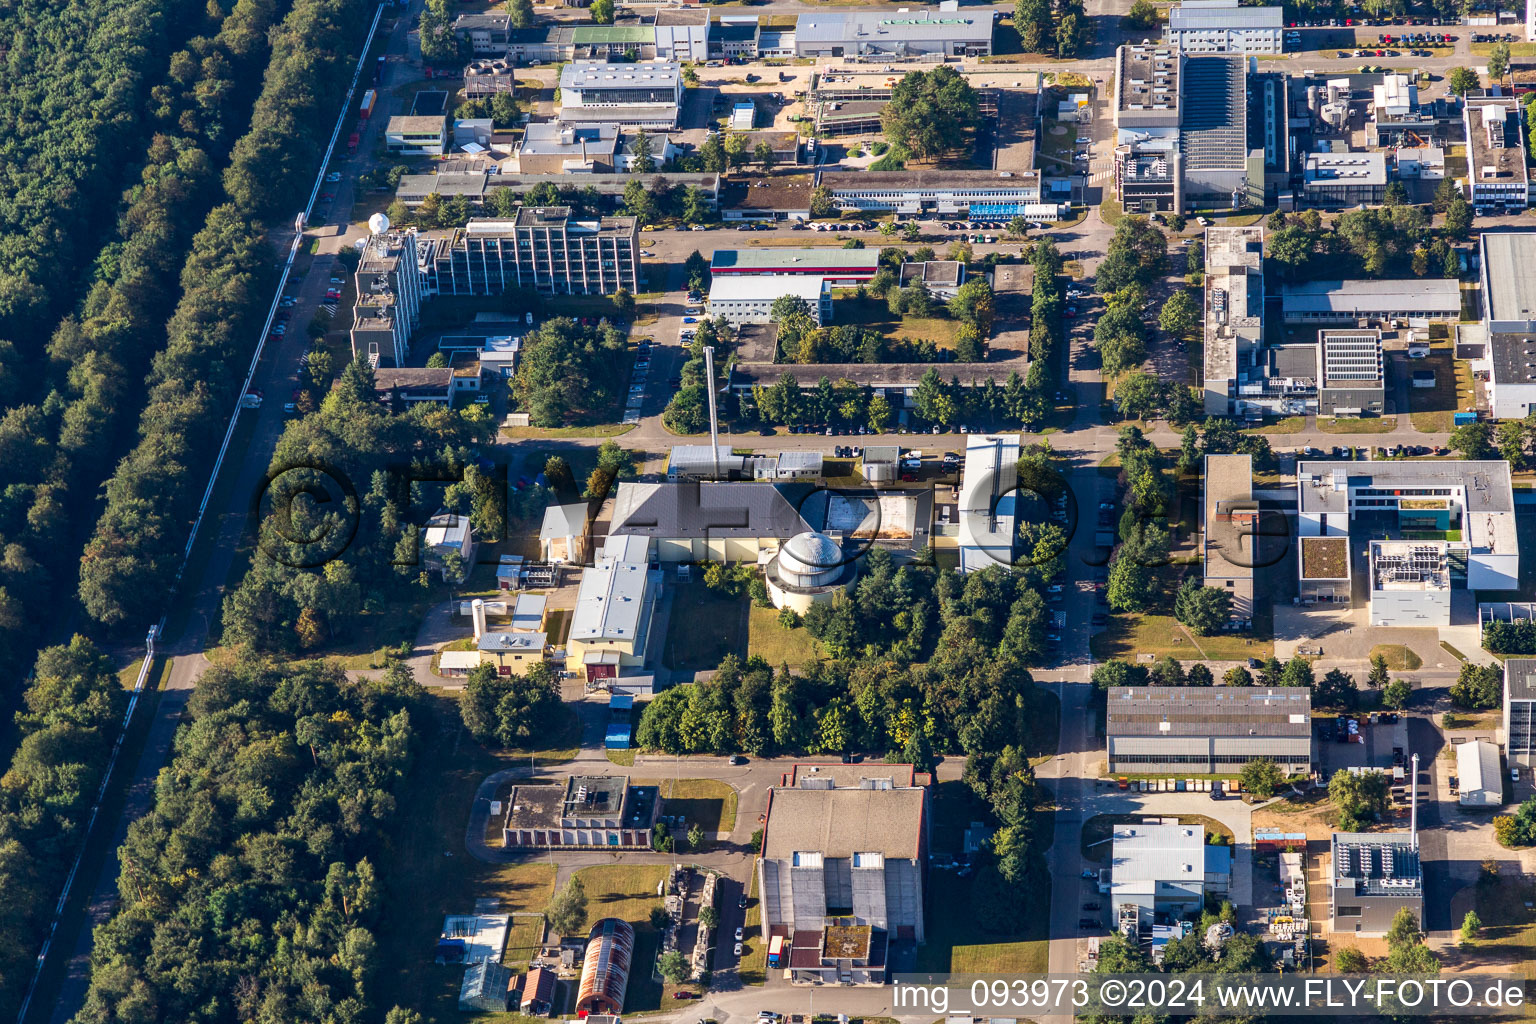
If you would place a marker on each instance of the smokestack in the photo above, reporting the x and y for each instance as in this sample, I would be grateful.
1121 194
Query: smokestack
1413 806
714 426
477 615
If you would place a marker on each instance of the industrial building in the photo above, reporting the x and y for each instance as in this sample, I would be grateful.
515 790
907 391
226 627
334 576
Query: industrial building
904 33
1474 499
486 77
638 95
941 278
1344 179
545 249
1234 313
555 148
1520 711
1213 131
748 520
989 195
1231 529
682 34
1374 875
1477 774
1361 302
487 33
605 968
390 286
988 501
563 534
842 871
1202 730
416 135
1222 26
586 810
1508 322
615 605
479 186
1497 180
840 267
743 299
810 568
1148 107
1353 381
1160 874
1410 581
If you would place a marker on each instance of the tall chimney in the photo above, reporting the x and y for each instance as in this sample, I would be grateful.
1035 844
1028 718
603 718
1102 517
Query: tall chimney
1413 806
477 615
714 426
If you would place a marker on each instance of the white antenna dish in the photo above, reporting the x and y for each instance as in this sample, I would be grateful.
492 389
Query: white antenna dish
378 224
361 244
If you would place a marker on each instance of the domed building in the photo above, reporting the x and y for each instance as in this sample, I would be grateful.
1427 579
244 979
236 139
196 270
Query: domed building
809 568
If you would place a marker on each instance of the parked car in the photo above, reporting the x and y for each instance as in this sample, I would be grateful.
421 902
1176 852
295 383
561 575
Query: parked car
737 949
738 759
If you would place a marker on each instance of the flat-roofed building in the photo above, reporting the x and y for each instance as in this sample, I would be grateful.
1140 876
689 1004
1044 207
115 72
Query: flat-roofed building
488 76
989 195
1477 772
682 34
988 502
1173 730
1410 580
1231 519
390 286
416 135
842 871
886 33
586 810
486 32
745 299
1353 380
1474 498
1148 112
1223 26
942 278
1520 711
1497 181
1161 873
840 267
1214 129
1344 179
1509 321
545 249
1234 312
1324 569
1374 875
554 148
1418 301
639 95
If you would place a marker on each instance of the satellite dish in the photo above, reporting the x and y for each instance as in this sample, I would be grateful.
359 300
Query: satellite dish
378 224
361 244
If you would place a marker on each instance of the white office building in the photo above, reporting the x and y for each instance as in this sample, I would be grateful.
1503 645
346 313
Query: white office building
1410 583
749 300
637 95
1223 26
1509 322
988 500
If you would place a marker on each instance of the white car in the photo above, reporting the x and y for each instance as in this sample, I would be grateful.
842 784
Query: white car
1204 222
738 949
739 934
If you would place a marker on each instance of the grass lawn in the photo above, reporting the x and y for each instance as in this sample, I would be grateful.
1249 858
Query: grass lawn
1284 425
876 315
955 945
1431 409
428 874
596 430
1399 658
1469 720
709 803
1509 923
526 936
1129 635
776 644
1357 424
622 758
557 625
705 626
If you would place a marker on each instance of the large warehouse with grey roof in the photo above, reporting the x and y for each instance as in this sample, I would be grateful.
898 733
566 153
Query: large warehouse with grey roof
1207 730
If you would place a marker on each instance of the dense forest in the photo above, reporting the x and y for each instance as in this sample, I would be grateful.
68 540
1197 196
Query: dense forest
249 891
69 718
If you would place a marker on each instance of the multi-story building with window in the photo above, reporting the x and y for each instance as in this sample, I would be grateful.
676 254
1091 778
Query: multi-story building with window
390 287
1496 175
1148 105
1214 129
682 34
1353 381
1230 517
1520 711
1374 876
1206 730
886 33
1234 312
544 249
1508 326
1224 26
639 95
1344 179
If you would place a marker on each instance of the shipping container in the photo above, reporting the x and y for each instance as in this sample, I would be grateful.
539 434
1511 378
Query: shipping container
366 108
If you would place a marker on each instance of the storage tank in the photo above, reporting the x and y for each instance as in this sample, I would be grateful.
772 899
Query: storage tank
605 970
